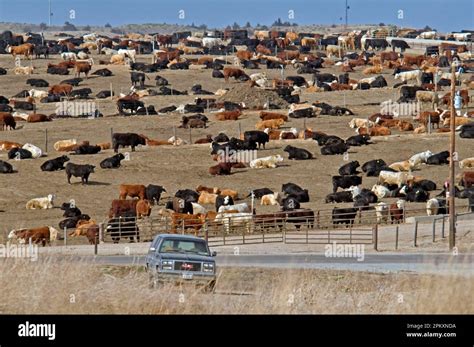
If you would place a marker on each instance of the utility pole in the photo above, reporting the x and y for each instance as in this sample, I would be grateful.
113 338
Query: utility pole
452 150
49 13
347 8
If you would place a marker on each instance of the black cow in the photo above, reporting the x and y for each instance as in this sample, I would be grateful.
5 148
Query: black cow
438 158
222 200
349 168
71 222
358 140
377 44
55 164
339 148
5 167
86 149
180 205
324 77
296 191
103 73
132 105
104 94
344 215
3 71
112 162
345 182
217 74
221 137
323 139
298 153
373 167
167 109
367 195
54 70
78 170
138 78
37 82
426 77
300 217
408 93
399 44
41 50
72 81
379 82
161 81
416 195
425 185
153 193
70 210
259 137
23 105
290 203
19 153
344 196
127 139
188 195
258 193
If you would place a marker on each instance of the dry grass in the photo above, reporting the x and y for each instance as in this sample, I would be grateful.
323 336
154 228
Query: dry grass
63 287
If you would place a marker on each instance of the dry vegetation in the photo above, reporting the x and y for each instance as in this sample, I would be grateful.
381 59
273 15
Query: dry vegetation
84 288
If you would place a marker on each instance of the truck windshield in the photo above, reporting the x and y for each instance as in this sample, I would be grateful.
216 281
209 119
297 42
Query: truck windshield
184 246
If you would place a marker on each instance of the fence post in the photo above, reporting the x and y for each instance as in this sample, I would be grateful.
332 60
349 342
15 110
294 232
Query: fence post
429 124
307 241
434 229
415 234
96 241
396 237
442 228
375 235
65 236
101 232
318 219
46 140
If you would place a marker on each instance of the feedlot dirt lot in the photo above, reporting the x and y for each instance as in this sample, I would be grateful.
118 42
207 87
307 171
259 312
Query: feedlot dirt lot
179 167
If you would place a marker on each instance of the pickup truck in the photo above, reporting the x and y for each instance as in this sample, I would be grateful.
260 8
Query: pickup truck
181 258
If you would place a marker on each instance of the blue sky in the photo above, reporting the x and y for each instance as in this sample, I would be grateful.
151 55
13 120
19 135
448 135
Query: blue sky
444 15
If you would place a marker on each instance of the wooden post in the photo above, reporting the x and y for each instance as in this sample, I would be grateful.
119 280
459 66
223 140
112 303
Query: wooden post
101 232
434 229
429 124
46 140
442 228
111 91
240 130
65 236
375 235
452 167
396 237
415 234
96 241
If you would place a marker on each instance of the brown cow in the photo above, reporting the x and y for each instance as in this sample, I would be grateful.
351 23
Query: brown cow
288 55
404 125
446 99
37 118
233 72
228 115
123 208
7 121
413 60
423 118
7 145
263 50
388 56
84 67
396 213
220 169
25 49
41 235
143 208
186 221
210 190
273 115
61 89
467 179
244 55
132 190
207 139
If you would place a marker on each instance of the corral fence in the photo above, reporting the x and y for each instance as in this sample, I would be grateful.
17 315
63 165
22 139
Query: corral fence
298 226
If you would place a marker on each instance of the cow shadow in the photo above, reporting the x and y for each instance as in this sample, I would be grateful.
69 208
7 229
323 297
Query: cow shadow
91 183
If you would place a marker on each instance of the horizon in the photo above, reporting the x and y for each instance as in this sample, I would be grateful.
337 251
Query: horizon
219 14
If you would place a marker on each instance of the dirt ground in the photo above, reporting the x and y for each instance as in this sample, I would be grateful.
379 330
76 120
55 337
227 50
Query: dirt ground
187 166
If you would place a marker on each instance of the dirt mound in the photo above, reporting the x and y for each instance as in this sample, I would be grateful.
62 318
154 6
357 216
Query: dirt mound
254 98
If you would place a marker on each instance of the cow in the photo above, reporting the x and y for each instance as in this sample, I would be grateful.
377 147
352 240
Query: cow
399 44
60 89
297 153
349 168
266 162
344 215
143 208
466 179
344 196
82 67
345 182
123 208
181 221
127 139
55 164
398 178
138 78
233 72
5 167
86 149
43 203
259 137
223 201
19 154
112 162
221 169
397 211
438 158
7 121
25 49
337 148
358 140
41 235
260 192
78 170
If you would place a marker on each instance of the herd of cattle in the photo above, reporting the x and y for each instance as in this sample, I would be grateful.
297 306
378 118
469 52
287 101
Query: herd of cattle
231 57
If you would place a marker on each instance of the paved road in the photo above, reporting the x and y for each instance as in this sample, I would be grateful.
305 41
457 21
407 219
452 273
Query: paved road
428 262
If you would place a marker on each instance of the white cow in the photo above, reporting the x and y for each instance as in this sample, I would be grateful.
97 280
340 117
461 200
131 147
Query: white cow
355 190
381 191
243 207
269 199
420 158
35 151
197 208
360 123
68 56
398 178
467 163
232 220
381 211
428 35
128 53
266 162
37 94
41 203
406 76
432 206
